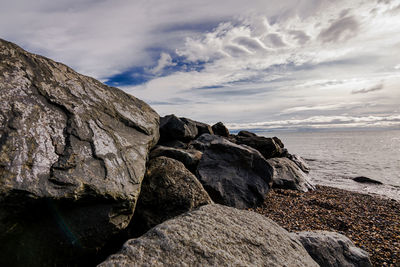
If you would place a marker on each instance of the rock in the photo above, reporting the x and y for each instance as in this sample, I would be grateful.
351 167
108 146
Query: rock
173 143
278 142
332 249
203 141
363 179
220 129
266 146
300 162
72 158
168 190
202 128
189 157
287 175
233 175
246 134
173 128
214 235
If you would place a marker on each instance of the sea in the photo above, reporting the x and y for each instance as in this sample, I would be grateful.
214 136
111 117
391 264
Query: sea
335 157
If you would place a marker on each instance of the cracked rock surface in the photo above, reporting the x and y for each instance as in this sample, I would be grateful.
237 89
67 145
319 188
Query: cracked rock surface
72 154
214 235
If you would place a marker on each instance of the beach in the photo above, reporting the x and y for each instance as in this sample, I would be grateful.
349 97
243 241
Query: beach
371 222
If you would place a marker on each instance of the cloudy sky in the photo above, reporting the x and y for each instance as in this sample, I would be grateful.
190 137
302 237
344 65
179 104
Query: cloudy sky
287 64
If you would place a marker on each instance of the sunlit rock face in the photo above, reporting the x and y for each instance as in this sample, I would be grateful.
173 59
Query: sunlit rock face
72 157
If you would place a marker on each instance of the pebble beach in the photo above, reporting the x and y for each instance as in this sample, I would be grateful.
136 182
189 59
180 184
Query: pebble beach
371 222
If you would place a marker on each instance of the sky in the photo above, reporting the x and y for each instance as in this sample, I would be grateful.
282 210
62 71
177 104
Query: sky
259 65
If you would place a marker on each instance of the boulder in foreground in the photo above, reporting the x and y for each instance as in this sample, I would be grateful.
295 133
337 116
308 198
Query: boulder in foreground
214 235
72 158
332 249
168 190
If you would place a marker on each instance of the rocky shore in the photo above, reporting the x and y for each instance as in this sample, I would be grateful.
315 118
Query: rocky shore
91 175
373 223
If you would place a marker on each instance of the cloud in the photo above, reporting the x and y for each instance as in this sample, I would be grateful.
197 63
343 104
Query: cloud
340 30
321 122
223 60
338 106
164 61
374 88
300 36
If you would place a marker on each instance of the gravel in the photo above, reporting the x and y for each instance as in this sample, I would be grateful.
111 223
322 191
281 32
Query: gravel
371 222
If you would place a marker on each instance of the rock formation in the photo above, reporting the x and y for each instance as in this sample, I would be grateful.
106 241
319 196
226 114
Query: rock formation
332 249
189 157
168 190
287 175
233 175
214 235
73 155
220 129
72 158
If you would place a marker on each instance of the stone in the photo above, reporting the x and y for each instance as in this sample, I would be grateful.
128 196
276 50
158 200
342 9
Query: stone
233 175
168 190
173 143
278 141
366 180
72 158
214 235
266 146
287 175
189 157
300 162
173 128
246 134
220 129
202 128
332 249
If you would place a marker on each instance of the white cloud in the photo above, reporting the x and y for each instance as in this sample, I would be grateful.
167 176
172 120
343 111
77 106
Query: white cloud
322 122
164 61
263 60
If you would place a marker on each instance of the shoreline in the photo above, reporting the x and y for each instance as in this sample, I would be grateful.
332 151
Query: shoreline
371 222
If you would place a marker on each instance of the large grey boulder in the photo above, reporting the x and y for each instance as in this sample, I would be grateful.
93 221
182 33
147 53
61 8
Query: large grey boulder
168 190
287 175
214 235
189 157
233 175
332 249
72 158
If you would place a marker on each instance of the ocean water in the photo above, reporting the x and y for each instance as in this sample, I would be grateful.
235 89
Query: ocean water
337 157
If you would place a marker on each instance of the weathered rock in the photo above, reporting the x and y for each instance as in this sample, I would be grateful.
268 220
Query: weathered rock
168 190
202 128
246 134
173 128
287 175
300 162
173 143
203 141
189 157
332 249
266 146
214 235
233 175
363 179
220 129
278 141
69 180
